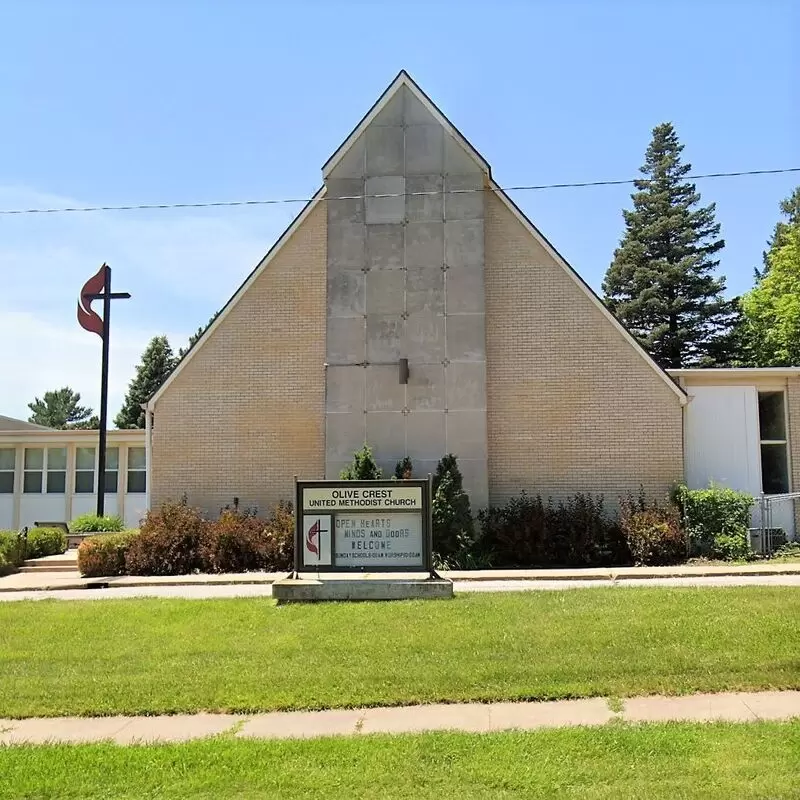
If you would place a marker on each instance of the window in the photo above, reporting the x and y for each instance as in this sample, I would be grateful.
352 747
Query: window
137 470
32 473
84 470
8 458
56 470
112 469
774 456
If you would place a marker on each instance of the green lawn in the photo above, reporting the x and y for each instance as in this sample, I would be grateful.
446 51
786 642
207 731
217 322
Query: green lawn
757 760
154 655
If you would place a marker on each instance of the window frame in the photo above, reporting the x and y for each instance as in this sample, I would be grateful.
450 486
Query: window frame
82 470
774 442
135 471
12 471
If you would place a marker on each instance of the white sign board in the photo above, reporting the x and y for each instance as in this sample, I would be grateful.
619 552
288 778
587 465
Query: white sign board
387 498
376 541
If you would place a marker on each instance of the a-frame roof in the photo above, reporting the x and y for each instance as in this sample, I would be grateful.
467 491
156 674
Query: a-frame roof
404 80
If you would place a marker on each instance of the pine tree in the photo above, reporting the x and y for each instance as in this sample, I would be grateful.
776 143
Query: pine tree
157 362
790 208
453 530
362 468
60 409
182 351
661 283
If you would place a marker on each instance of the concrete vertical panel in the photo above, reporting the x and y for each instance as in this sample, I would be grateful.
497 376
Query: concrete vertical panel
425 337
466 434
385 291
346 340
384 392
385 150
353 162
465 290
466 337
346 293
385 246
391 115
426 387
344 389
475 473
425 290
424 207
425 435
346 246
386 435
464 196
344 435
384 338
390 209
466 386
333 468
463 243
424 149
345 200
424 244
415 111
457 161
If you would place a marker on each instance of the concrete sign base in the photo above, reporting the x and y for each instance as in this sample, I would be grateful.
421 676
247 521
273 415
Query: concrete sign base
309 587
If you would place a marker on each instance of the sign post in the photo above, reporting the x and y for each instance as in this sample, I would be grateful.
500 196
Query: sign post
98 287
363 526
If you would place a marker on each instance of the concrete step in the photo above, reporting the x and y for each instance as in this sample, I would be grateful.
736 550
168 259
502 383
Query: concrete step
64 566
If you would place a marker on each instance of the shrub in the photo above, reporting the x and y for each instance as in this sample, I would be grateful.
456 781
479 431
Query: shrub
717 521
453 530
240 542
168 542
91 523
104 555
12 551
404 469
362 468
45 542
653 534
526 532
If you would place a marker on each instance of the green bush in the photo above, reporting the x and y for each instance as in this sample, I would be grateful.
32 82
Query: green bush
404 469
453 528
717 521
45 542
653 533
241 542
527 532
12 551
103 555
362 468
168 542
91 523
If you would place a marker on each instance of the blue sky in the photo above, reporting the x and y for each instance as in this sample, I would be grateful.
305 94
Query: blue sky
177 101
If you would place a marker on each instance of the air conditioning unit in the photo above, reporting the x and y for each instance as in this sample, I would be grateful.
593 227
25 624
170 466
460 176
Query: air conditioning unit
767 541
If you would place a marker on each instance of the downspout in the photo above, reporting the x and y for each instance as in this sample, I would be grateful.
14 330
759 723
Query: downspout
148 450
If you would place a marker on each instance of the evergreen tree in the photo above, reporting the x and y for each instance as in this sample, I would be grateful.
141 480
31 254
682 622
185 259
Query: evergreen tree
60 409
790 208
157 362
195 336
453 530
661 283
404 469
362 468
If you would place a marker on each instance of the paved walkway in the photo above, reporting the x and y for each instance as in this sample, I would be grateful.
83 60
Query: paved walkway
473 717
41 581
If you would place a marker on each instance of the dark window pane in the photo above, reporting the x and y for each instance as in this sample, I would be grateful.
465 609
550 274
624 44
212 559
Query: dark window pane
6 482
771 416
56 482
774 469
137 482
84 482
111 482
32 483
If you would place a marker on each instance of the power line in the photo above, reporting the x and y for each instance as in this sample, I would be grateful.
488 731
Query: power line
287 201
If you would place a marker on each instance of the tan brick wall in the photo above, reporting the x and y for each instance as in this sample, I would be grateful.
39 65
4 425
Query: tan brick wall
246 413
571 405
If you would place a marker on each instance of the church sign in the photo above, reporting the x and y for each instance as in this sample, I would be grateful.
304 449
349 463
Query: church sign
371 526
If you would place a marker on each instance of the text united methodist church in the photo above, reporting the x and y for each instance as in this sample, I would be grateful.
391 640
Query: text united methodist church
413 306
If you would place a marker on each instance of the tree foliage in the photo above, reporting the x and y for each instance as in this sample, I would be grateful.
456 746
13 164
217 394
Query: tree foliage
790 208
453 529
195 336
157 362
363 467
60 409
662 283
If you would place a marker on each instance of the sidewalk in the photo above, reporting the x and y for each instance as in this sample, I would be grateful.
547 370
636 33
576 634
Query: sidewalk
54 581
471 717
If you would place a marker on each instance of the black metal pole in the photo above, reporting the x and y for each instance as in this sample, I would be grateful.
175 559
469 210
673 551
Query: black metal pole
101 457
